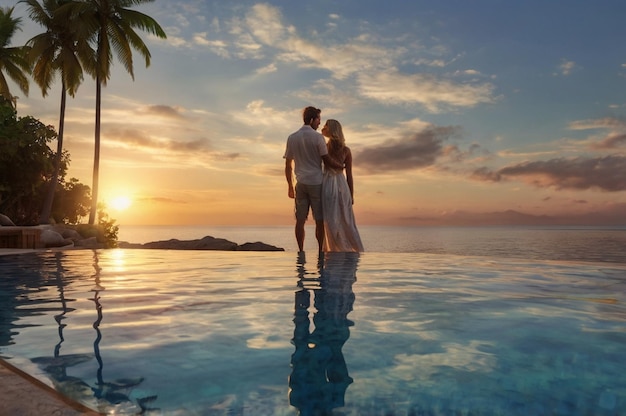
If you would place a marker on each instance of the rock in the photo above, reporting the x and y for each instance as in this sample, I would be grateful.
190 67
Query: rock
69 233
206 243
6 221
258 246
70 236
50 238
67 236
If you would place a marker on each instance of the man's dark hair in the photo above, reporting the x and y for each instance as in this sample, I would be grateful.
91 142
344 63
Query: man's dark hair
310 113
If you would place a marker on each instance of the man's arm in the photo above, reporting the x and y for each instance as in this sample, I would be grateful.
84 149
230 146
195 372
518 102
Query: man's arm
331 163
289 176
328 161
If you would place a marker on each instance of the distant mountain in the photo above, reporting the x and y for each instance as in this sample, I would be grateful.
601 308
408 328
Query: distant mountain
615 215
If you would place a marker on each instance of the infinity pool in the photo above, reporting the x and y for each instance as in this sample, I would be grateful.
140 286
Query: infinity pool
240 333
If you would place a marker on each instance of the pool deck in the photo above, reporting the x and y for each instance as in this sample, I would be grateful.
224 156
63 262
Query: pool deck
4 251
23 395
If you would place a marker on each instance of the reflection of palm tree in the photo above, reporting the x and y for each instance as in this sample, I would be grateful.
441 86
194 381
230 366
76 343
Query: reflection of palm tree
58 364
113 392
319 376
96 325
60 317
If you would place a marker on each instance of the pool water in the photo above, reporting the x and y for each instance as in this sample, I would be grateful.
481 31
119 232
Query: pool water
240 333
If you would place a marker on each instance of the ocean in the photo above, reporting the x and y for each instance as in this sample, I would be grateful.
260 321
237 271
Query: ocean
584 244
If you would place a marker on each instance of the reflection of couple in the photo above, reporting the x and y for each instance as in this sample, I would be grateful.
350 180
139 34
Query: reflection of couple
319 374
328 193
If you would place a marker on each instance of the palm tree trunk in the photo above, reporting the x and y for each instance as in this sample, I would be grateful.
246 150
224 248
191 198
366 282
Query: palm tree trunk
44 218
96 156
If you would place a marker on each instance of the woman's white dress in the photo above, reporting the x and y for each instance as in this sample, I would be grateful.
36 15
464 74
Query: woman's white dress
340 229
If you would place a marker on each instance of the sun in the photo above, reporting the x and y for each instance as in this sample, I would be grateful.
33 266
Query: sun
120 203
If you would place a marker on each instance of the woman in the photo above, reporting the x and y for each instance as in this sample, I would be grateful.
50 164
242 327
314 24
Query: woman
340 229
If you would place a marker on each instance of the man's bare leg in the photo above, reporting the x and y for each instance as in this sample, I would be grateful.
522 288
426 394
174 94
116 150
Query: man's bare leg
319 234
300 234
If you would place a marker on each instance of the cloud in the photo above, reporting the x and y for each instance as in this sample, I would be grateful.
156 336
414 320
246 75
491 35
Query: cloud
363 58
227 156
341 60
164 111
475 151
161 200
485 174
137 138
267 69
263 26
470 72
601 123
433 93
413 152
605 173
265 23
610 142
440 63
615 139
257 113
566 68
175 41
219 47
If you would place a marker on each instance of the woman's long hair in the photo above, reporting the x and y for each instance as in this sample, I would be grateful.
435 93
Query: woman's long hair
336 141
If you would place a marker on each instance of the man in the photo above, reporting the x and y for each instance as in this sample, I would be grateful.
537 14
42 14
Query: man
306 148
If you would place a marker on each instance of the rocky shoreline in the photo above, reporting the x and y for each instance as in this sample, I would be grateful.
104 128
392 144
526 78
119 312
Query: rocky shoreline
67 237
205 243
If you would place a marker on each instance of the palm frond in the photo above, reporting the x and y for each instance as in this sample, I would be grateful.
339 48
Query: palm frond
13 60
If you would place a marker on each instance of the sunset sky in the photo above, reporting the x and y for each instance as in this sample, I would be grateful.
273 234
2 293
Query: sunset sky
457 112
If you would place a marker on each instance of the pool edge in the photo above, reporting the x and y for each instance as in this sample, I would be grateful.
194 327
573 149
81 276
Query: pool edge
20 393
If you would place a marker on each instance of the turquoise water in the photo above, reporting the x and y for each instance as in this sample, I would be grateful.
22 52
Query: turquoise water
222 333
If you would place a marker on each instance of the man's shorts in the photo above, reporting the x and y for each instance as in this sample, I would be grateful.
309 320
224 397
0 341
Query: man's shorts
309 196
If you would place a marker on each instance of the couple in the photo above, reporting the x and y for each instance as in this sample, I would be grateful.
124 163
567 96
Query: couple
327 192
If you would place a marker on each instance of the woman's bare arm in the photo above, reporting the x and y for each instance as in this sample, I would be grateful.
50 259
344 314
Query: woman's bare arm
348 167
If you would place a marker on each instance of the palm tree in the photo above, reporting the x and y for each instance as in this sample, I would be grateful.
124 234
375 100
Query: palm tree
13 60
60 49
113 24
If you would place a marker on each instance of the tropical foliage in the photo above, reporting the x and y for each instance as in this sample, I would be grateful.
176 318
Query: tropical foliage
57 51
81 36
25 164
13 60
113 25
